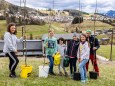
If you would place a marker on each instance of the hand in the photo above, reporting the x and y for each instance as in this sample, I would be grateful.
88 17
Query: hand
79 60
53 55
94 48
24 37
66 55
46 44
15 51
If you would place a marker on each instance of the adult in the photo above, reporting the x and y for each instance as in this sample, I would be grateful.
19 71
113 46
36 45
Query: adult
94 46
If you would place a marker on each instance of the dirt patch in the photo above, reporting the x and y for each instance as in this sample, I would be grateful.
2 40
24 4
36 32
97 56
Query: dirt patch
107 62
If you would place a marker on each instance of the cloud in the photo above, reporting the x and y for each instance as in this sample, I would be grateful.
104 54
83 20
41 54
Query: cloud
87 5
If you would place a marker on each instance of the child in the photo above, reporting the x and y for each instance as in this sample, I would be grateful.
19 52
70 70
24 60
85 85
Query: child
10 48
50 44
62 50
83 56
72 53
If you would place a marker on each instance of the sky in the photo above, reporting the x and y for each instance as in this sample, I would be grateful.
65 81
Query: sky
86 5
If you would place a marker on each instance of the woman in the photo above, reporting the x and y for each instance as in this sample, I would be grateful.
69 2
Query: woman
83 56
10 48
50 44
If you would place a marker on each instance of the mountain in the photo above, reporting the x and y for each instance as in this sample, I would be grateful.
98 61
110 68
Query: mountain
111 13
14 9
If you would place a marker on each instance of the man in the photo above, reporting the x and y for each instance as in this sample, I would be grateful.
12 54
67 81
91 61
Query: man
94 45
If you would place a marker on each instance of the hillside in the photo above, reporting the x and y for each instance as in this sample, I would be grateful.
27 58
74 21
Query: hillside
38 30
87 24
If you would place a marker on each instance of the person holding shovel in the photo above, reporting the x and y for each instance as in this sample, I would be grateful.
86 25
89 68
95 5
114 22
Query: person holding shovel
94 46
10 48
50 44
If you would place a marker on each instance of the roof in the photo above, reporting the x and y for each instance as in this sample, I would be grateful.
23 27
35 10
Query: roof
65 36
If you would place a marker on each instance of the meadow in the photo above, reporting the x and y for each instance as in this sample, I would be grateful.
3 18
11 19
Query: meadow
106 78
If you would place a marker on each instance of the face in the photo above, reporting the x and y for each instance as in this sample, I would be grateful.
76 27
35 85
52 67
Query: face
88 34
60 42
83 38
12 29
51 34
75 38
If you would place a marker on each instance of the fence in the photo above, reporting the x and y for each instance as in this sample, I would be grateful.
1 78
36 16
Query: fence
33 47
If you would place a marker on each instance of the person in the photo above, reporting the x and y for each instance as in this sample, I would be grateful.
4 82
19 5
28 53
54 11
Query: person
94 46
50 44
72 49
83 57
62 50
10 48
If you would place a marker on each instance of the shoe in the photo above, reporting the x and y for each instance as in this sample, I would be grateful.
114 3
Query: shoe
83 81
12 76
86 79
60 73
71 76
66 74
52 73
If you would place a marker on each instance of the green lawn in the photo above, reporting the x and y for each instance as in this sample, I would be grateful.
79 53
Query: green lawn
107 75
38 30
104 50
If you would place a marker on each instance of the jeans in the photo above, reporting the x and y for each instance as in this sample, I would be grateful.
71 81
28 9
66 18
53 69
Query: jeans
51 63
82 69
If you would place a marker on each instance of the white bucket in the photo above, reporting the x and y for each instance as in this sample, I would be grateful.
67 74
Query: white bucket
43 71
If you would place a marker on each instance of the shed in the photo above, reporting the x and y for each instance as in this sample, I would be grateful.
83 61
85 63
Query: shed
67 38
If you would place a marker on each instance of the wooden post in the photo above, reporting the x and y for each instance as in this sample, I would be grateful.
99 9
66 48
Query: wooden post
111 46
43 50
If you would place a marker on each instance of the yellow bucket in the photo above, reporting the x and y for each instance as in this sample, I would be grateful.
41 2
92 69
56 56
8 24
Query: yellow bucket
25 71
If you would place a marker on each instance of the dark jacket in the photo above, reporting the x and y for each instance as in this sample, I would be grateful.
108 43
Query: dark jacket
72 48
93 43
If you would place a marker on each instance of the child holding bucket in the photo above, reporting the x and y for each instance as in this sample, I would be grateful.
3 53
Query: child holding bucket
50 44
83 56
10 48
72 49
62 50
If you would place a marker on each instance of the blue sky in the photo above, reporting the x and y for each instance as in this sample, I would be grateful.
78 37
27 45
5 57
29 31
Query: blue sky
87 5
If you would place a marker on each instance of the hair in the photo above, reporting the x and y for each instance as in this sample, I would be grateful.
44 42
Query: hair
62 39
85 37
50 30
9 26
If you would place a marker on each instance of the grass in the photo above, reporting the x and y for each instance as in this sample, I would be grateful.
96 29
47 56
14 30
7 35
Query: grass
104 50
98 25
38 30
107 74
